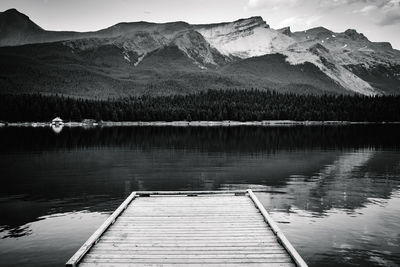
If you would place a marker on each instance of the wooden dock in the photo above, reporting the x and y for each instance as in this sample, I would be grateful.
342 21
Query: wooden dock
197 228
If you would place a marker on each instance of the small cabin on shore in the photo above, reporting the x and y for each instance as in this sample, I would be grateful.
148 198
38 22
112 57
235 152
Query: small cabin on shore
57 121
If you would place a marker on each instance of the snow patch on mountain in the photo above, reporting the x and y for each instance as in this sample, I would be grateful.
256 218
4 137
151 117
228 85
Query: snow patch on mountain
140 58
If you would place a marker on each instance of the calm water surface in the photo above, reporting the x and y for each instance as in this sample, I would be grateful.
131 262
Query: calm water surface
334 191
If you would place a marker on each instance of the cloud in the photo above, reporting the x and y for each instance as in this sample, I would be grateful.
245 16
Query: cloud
390 18
339 3
300 21
366 10
290 21
380 12
257 4
385 12
311 20
324 4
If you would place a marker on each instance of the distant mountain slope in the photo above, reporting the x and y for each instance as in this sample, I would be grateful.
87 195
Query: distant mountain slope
104 71
377 63
17 29
169 58
274 71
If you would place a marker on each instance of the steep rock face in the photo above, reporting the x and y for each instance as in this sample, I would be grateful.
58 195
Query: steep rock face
244 38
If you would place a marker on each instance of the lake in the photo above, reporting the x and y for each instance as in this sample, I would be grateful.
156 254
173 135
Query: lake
333 190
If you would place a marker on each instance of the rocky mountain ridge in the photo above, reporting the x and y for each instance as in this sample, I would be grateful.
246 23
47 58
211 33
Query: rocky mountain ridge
183 53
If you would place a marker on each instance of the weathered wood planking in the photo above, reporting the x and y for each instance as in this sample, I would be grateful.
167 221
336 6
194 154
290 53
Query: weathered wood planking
196 228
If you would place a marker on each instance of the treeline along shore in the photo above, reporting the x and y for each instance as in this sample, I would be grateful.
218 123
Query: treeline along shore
212 105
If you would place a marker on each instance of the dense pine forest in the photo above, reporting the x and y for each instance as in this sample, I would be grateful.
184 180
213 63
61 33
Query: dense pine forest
238 105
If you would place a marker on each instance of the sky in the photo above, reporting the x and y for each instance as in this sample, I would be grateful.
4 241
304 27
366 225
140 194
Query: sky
379 20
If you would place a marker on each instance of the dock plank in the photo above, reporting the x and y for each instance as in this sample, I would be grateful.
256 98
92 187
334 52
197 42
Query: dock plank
188 229
186 264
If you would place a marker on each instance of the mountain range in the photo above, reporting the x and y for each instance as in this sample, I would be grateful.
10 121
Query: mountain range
178 58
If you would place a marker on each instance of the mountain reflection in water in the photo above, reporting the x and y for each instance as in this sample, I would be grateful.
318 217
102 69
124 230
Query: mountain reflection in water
333 190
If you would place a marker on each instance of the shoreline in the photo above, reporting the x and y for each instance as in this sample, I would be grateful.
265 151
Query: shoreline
226 123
